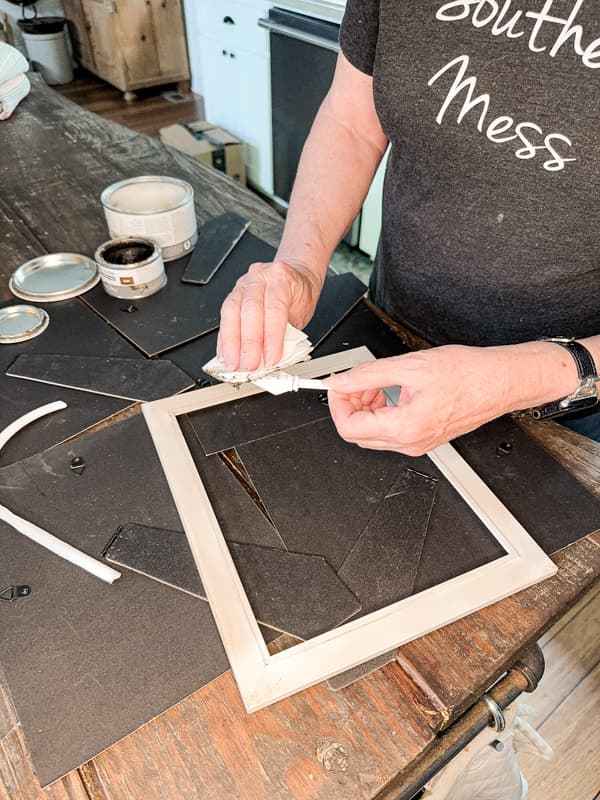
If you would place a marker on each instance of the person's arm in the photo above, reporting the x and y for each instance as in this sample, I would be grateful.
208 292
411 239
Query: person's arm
448 391
338 162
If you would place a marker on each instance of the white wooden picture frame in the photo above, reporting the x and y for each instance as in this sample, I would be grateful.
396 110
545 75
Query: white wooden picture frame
263 678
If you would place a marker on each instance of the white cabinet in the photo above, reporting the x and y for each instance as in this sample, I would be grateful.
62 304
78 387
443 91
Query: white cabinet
370 218
234 61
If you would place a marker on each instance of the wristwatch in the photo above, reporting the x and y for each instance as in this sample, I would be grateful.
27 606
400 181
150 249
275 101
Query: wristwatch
586 394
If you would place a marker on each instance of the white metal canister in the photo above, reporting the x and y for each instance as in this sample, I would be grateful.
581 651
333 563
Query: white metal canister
131 267
155 207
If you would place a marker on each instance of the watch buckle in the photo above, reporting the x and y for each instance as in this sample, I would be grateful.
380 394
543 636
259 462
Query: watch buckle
586 390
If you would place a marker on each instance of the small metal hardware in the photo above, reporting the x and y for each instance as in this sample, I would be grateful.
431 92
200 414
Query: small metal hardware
504 449
531 667
12 593
77 465
497 719
323 399
131 309
497 745
202 383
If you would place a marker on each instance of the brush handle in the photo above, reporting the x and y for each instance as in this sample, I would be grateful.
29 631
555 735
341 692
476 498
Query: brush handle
307 383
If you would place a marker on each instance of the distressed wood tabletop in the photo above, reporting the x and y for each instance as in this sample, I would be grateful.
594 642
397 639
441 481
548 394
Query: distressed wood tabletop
323 745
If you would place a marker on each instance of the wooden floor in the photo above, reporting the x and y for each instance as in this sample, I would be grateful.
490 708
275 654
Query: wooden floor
566 706
147 114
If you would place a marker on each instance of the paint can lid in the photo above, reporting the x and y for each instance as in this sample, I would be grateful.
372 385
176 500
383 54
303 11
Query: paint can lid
55 276
19 323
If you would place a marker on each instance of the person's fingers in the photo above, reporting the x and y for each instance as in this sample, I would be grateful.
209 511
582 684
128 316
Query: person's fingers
371 400
252 318
228 342
370 375
375 444
363 424
374 398
276 315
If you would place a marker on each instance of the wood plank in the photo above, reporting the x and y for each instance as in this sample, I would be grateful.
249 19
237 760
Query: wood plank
455 664
18 780
137 42
570 656
171 50
573 731
83 150
208 748
148 114
102 35
71 787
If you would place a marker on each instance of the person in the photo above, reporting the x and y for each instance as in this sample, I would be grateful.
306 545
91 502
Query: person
490 237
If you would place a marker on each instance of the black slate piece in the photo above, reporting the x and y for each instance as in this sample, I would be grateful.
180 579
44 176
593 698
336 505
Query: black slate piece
292 592
137 379
361 327
156 553
296 594
181 311
382 566
547 500
241 421
73 330
238 515
319 490
192 356
457 541
88 662
216 240
340 294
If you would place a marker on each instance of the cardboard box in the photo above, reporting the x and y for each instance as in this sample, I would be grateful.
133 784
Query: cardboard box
214 146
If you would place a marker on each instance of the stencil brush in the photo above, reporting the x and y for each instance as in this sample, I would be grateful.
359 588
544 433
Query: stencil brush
282 382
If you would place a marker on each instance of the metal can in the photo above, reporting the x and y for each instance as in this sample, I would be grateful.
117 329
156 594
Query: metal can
153 206
131 267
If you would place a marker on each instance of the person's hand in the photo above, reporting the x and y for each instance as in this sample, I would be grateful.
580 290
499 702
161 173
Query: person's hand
255 314
445 392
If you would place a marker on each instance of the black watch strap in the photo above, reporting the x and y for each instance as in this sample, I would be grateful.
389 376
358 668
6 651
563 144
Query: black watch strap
582 356
586 396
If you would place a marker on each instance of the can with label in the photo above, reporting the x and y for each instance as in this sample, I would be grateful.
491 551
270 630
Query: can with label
131 267
153 206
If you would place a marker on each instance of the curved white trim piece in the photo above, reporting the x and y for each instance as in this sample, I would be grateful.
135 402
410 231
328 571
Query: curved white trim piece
31 416
34 532
58 547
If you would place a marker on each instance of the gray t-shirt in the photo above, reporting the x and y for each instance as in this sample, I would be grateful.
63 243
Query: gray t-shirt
491 210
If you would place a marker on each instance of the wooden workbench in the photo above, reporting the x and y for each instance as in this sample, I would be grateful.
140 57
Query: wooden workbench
319 744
